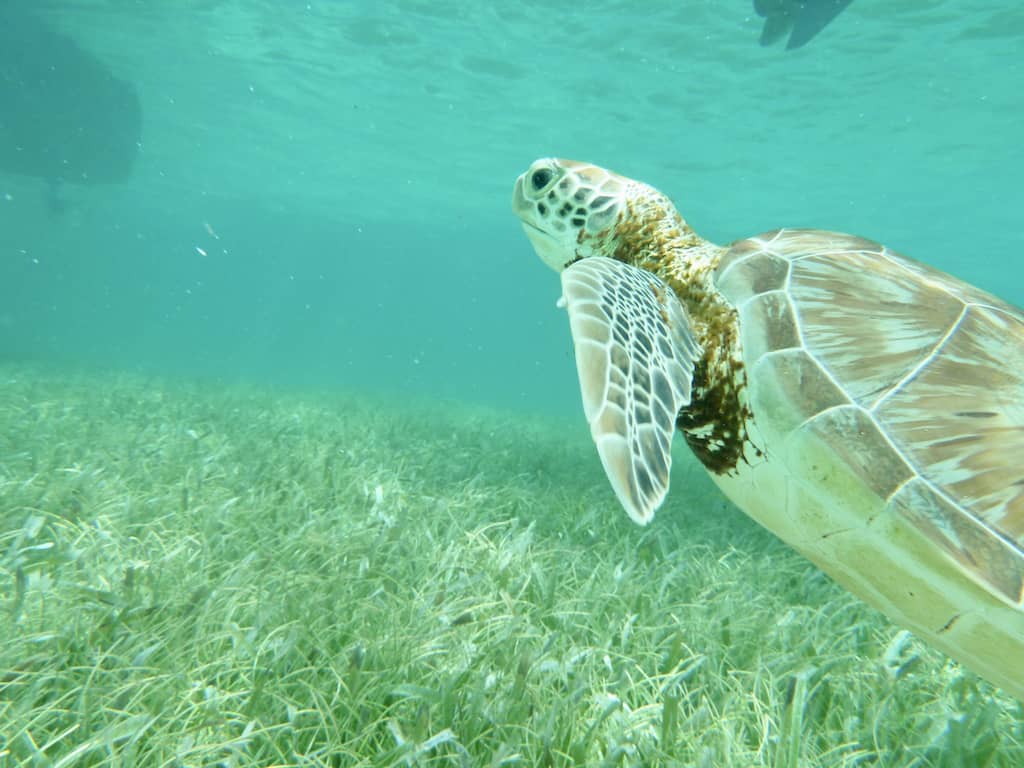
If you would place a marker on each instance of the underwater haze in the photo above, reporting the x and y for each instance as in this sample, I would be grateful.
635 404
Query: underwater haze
321 189
293 464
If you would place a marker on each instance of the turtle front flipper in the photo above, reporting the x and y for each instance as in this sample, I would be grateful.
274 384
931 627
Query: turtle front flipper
635 354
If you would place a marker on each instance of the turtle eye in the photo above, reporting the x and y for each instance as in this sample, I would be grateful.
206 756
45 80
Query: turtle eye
541 178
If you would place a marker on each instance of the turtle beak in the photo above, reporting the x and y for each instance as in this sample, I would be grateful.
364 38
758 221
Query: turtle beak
520 205
545 244
547 247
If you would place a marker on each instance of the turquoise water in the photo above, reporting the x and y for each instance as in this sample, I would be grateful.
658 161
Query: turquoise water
244 197
346 169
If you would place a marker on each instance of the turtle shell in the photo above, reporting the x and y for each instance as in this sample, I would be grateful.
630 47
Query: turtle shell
893 395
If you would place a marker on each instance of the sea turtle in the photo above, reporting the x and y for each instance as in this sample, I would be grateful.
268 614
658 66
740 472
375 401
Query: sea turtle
866 408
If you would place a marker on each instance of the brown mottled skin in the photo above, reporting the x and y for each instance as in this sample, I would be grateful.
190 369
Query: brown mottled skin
714 425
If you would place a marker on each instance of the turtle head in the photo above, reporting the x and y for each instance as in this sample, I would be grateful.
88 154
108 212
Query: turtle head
569 209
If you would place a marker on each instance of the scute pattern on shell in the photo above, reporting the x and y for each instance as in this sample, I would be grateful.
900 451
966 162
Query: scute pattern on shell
916 377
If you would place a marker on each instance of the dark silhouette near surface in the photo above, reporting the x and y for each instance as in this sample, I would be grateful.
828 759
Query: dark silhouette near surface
800 19
64 117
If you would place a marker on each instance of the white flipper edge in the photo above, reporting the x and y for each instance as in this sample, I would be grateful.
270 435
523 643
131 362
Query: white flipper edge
635 354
